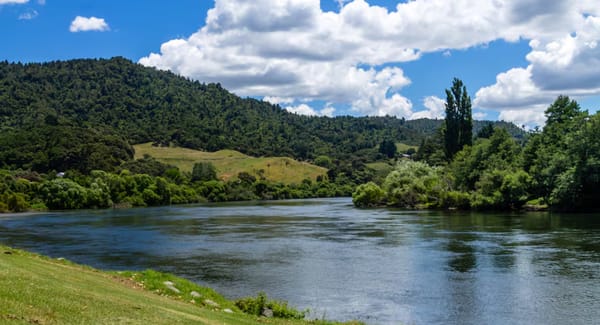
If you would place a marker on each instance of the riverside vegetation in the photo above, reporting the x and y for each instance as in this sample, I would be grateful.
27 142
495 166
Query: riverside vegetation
84 120
556 167
39 290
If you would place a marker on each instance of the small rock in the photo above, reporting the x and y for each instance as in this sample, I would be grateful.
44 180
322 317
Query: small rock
227 310
211 303
60 259
171 286
267 313
195 294
8 252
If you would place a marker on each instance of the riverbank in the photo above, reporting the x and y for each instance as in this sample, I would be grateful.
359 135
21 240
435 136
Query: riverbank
35 289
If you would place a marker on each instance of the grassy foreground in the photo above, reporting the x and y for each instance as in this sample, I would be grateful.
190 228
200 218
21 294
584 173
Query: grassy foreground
230 163
39 290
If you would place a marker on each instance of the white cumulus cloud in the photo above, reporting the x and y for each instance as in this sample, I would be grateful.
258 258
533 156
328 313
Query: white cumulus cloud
86 24
304 109
566 62
436 108
291 51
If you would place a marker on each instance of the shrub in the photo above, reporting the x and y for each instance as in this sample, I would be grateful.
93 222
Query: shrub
414 184
257 305
368 195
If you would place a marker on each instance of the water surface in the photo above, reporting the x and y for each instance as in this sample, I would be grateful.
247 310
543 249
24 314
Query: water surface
381 266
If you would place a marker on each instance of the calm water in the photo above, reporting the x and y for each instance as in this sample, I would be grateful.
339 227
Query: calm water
381 266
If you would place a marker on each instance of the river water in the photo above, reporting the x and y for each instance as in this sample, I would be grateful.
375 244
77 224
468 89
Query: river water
381 266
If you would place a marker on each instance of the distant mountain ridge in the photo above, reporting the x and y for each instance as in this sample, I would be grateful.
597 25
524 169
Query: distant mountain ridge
143 104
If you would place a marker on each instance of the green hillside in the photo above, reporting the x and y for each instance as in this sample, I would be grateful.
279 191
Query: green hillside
133 104
147 105
230 163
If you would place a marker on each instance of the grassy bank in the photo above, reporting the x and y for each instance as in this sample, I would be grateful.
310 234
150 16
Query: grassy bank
229 163
39 290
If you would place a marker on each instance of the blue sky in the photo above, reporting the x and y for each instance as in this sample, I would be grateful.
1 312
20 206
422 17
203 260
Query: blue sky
358 57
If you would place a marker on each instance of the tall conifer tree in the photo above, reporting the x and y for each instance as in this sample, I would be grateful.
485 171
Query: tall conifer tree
458 125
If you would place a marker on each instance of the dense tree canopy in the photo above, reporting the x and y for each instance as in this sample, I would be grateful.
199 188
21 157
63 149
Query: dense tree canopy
142 105
558 167
81 116
146 105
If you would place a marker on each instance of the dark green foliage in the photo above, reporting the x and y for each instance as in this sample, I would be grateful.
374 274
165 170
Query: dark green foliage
432 151
499 152
429 127
501 190
204 172
146 105
147 165
486 131
15 202
63 193
458 124
388 148
102 189
323 161
60 148
559 167
564 158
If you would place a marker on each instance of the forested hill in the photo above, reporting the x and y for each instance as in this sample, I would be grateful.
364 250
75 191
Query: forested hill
140 104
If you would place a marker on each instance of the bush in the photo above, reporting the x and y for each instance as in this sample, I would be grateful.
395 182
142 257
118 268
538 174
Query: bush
17 202
455 199
368 195
62 193
415 184
257 305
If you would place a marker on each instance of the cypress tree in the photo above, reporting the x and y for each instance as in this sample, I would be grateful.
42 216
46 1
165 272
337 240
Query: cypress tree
458 125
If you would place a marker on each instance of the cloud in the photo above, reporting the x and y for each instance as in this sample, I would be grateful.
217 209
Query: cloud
436 108
530 118
86 24
28 15
10 2
569 65
479 116
304 109
294 50
278 100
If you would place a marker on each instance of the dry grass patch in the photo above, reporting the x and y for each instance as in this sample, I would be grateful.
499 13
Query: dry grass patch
229 163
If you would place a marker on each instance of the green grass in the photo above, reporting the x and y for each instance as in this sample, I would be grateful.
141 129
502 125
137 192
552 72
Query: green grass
381 169
39 290
402 147
230 163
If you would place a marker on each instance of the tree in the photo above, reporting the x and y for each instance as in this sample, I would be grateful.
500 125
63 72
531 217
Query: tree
549 154
458 124
204 171
414 184
368 195
324 161
388 148
486 131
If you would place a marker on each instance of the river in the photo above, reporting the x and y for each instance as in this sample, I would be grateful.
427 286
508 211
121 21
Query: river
381 266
